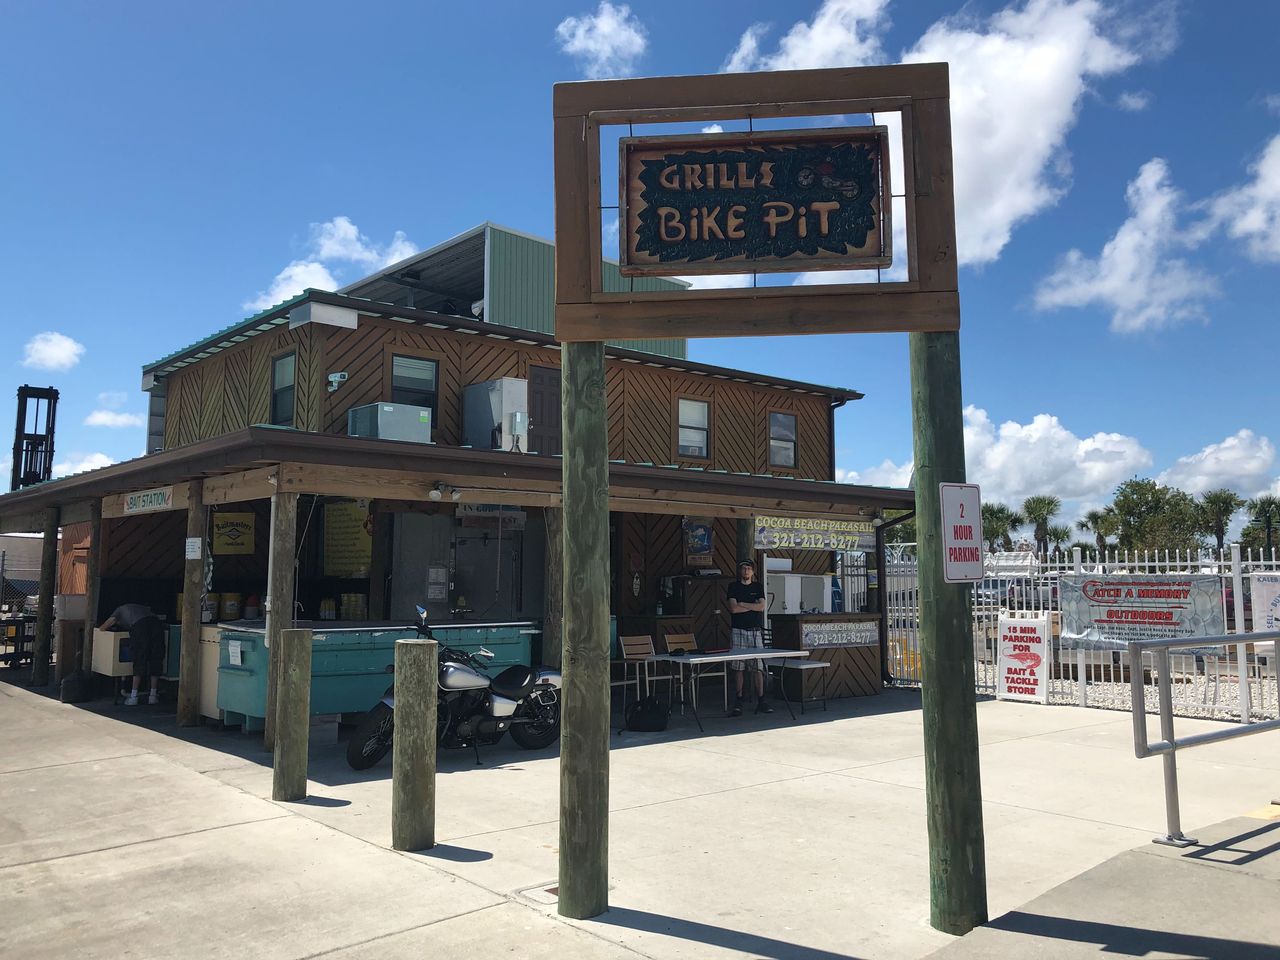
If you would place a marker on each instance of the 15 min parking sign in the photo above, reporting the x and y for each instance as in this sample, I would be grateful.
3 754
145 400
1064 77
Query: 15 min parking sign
961 532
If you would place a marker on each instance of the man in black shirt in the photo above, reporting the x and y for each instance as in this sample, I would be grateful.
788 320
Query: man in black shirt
146 643
746 606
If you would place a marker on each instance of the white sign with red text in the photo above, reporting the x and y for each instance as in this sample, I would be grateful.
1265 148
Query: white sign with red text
1023 662
961 532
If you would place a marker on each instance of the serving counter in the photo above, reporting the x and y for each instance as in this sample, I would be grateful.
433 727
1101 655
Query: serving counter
850 642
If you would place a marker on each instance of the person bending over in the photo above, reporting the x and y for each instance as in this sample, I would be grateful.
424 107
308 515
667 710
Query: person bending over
746 605
146 640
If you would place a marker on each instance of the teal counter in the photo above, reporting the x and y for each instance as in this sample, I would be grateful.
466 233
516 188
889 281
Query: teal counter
348 663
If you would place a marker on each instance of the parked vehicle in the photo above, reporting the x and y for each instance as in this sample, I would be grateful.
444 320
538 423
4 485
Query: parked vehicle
474 708
1034 593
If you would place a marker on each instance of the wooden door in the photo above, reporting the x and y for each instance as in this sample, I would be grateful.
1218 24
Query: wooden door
544 411
705 603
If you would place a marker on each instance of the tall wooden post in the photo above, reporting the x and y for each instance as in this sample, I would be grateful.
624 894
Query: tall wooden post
293 721
192 599
553 609
44 612
953 792
281 559
93 583
584 737
413 749
744 542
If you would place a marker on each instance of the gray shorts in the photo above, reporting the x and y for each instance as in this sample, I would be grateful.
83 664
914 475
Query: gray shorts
747 638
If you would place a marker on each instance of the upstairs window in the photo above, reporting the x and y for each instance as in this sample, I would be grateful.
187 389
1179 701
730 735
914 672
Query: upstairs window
413 381
282 389
694 435
782 440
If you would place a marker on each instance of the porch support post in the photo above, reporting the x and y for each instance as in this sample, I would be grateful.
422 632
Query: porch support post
953 792
93 583
44 612
584 737
280 583
192 600
744 542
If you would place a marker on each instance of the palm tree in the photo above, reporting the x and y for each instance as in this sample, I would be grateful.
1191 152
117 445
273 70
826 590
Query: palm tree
1059 534
1266 511
1039 511
1102 524
1218 507
998 524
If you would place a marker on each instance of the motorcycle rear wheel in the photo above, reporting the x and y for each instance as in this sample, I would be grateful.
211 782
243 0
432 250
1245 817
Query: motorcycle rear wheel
371 739
540 734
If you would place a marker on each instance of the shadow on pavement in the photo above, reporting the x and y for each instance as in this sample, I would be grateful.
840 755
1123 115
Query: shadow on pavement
1133 941
1236 855
751 944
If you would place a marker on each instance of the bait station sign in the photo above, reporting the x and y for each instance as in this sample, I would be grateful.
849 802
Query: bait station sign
746 203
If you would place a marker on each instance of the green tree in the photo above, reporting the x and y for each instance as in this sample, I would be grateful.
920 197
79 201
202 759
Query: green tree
1039 511
998 524
1265 511
1059 534
904 532
1218 507
1102 524
1151 516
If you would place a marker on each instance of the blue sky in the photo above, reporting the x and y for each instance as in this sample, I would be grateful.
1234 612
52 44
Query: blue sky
167 166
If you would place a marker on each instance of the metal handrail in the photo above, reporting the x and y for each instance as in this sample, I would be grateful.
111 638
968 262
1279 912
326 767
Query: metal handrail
1169 745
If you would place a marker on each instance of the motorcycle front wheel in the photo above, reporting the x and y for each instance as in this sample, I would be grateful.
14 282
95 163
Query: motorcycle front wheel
543 727
371 740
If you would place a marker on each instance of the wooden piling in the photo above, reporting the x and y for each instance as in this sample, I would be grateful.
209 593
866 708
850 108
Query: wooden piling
584 737
281 557
413 749
44 612
553 610
293 716
953 791
192 599
93 584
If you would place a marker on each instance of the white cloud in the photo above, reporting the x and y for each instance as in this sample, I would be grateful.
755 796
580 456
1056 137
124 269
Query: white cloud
887 474
1272 102
1136 277
400 248
1018 79
1134 101
1017 83
842 33
340 239
81 462
291 281
113 419
1251 211
1016 460
52 351
607 43
1241 462
112 399
713 128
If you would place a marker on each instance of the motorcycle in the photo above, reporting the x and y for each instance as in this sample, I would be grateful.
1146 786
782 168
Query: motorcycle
474 708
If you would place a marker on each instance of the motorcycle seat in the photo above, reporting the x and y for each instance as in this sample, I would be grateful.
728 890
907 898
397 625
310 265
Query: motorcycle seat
514 683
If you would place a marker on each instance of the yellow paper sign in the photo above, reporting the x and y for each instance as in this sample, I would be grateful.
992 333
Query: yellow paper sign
348 540
232 534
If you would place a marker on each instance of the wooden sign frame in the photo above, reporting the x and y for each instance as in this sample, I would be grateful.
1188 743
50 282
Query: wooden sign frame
928 300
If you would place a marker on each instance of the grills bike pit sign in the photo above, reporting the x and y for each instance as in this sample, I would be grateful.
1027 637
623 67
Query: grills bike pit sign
1024 653
799 533
149 501
753 203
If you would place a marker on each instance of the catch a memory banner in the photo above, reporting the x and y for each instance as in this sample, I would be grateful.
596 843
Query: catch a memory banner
1118 607
799 533
755 202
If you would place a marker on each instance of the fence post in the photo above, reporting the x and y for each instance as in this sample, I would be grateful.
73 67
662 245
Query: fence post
1082 683
1242 660
293 716
413 748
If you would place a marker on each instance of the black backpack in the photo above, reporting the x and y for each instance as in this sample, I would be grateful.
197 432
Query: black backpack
647 715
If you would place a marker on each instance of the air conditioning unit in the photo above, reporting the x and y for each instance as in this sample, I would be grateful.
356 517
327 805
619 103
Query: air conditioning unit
390 421
495 415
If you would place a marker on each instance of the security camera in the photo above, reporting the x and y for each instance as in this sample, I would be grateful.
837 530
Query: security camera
477 309
335 379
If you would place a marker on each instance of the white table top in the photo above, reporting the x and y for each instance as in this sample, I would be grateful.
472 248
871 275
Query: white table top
733 653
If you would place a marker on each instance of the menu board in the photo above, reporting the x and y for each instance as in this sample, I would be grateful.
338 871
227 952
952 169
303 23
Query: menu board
803 533
348 540
849 633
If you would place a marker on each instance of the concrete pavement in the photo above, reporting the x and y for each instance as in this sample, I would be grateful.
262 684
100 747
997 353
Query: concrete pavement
121 835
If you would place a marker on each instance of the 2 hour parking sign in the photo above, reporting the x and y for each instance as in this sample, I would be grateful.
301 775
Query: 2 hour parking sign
961 532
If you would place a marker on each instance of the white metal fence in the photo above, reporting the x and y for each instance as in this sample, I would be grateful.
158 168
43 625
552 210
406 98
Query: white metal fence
1087 674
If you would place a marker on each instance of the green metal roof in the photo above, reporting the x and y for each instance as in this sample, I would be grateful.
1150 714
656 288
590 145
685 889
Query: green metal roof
260 322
